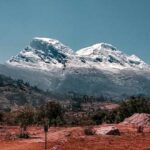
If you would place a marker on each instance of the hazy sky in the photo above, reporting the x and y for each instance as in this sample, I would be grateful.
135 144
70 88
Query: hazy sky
76 23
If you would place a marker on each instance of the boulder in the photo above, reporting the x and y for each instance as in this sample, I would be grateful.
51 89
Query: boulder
108 130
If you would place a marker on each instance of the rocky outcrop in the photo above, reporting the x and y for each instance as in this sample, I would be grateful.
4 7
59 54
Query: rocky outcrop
108 130
138 119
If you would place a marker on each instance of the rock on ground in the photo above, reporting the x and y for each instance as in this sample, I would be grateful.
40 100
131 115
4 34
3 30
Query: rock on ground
108 130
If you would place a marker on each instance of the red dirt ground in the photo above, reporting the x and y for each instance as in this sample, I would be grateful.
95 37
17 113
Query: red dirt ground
73 138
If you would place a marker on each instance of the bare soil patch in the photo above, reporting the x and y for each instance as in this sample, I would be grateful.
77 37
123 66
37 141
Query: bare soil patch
73 138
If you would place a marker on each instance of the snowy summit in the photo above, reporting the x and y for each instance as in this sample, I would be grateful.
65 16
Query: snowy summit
100 69
46 53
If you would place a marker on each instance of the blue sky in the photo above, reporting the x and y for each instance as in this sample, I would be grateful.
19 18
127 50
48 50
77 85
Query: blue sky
76 23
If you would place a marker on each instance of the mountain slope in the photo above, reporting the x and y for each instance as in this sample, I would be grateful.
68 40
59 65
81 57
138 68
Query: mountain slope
100 69
15 93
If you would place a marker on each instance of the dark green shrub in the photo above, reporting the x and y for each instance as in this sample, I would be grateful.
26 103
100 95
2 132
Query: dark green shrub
23 135
88 131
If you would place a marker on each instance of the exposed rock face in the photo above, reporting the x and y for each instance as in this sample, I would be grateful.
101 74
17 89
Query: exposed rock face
138 119
109 130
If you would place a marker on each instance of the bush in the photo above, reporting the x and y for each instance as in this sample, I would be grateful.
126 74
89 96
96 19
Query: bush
23 135
99 116
8 136
88 131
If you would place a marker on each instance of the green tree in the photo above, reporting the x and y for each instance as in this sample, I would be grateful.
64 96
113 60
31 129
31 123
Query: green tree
25 117
131 106
99 116
52 112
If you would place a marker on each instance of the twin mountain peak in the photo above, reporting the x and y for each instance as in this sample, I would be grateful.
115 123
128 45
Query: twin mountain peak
46 54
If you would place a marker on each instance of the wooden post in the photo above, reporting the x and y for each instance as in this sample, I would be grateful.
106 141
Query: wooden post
45 140
46 130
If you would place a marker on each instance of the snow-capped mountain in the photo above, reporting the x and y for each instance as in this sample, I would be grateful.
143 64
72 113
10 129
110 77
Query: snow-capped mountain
45 53
100 69
106 55
42 53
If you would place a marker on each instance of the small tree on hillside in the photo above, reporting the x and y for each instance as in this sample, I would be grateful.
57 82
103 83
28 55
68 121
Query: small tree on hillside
25 117
52 111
